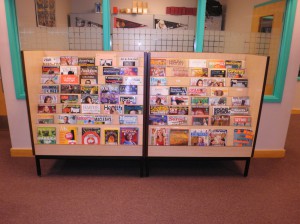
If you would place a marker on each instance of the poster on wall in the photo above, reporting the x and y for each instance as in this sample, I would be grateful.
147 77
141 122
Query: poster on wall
122 23
45 13
164 24
86 23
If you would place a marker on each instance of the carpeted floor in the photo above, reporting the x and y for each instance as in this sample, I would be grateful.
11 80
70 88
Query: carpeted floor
110 191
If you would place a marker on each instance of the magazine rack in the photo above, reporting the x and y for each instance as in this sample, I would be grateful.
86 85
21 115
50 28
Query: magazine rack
255 72
33 62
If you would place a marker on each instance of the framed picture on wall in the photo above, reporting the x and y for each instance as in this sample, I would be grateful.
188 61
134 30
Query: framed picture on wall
45 13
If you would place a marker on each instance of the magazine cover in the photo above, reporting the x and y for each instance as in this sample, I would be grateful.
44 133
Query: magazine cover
197 63
235 73
240 101
50 79
242 121
157 71
220 120
109 94
128 89
219 91
221 110
91 136
218 101
66 119
159 110
243 137
111 136
133 109
216 82
129 61
179 100
216 63
51 60
179 137
113 109
129 71
159 90
218 73
199 137
69 79
178 110
88 70
177 62
239 110
50 70
177 120
111 71
103 119
88 89
129 136
68 70
158 120
46 89
233 64
106 61
128 100
158 100
158 62
200 82
200 101
217 137
179 91
90 108
68 60
178 71
67 88
133 80
71 109
46 135
45 119
200 110
200 120
45 98
127 119
158 81
47 109
241 83
69 99
113 79
197 91
85 119
199 72
88 79
86 61
68 135
89 99
159 136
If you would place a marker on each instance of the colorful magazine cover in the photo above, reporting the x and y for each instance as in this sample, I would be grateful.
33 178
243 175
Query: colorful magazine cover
236 73
241 83
85 119
69 99
159 136
128 100
159 90
111 71
113 79
199 137
200 110
69 79
217 73
199 72
221 110
201 82
103 119
216 63
219 91
220 120
88 70
158 81
68 135
177 120
71 109
51 60
66 119
179 100
68 70
243 137
179 137
88 79
239 110
158 120
47 109
159 110
233 64
127 119
128 89
67 88
217 137
109 94
91 135
133 80
68 60
200 120
240 101
157 71
133 109
90 108
177 62
218 101
50 79
159 100
46 89
129 71
129 61
197 91
158 62
86 61
111 136
178 72
178 110
242 121
197 63
46 135
113 109
45 119
178 91
48 98
84 89
129 136
200 101
89 98
216 82
50 70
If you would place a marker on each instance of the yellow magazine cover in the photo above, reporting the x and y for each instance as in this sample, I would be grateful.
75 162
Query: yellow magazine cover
68 135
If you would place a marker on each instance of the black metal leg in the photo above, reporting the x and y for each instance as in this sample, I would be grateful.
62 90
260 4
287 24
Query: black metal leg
147 167
38 166
247 167
142 167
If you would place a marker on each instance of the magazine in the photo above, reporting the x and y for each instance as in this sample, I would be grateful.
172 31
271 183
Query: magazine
240 101
221 110
243 137
179 91
45 119
68 135
233 64
199 137
68 60
179 137
45 98
178 110
133 80
129 61
239 110
68 70
111 136
109 94
103 119
159 90
129 71
113 79
89 99
177 120
216 82
90 108
199 72
128 89
126 119
200 120
67 88
66 119
91 135
85 119
159 110
200 110
158 62
50 79
219 91
158 120
158 81
217 137
241 83
218 73
220 120
46 135
216 64
69 79
218 101
47 109
179 100
235 73
50 89
159 136
111 71
200 101
71 109
129 136
197 63
158 100
133 109
128 100
242 121
157 71
88 79
106 61
86 61
88 89
197 91
88 70
200 82
177 62
178 71
69 99
113 109
50 70
51 60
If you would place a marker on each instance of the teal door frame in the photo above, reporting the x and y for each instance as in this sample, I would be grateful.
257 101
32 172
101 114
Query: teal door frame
279 81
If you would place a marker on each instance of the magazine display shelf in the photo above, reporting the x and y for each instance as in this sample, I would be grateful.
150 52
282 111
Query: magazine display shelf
33 62
255 72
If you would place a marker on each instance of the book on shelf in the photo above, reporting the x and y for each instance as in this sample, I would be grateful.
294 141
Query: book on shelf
111 71
200 110
199 72
197 91
239 110
216 63
200 101
68 135
179 137
46 135
199 137
157 71
201 82
217 137
178 110
128 100
221 110
218 101
158 62
129 136
91 135
216 82
159 136
158 81
179 100
243 137
178 91
111 136
218 73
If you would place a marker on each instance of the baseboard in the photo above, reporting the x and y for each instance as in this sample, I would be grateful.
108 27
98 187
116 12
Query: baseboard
295 111
15 152
21 152
271 153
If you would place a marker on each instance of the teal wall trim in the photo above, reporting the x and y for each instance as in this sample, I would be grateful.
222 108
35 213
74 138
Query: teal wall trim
200 27
267 3
106 25
284 52
14 44
298 78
